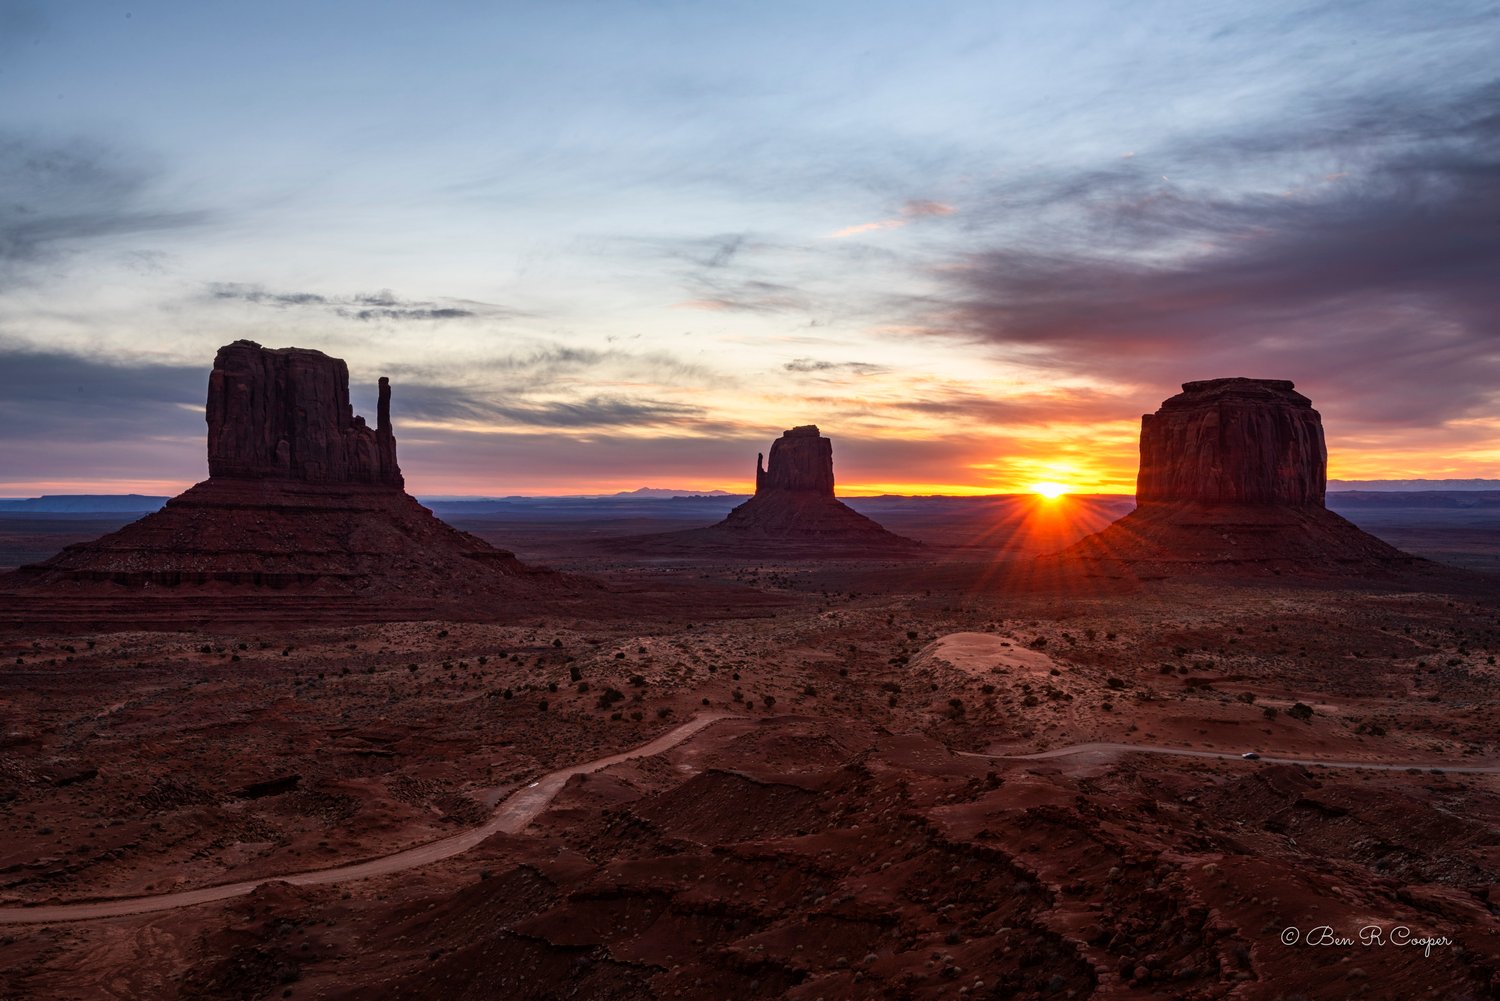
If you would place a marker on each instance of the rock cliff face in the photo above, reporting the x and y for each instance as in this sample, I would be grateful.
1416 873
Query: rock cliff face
284 413
801 459
1234 441
1232 476
302 498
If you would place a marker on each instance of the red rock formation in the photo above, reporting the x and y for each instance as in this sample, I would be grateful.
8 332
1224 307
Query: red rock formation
284 413
794 500
801 459
302 496
1232 474
1250 441
792 515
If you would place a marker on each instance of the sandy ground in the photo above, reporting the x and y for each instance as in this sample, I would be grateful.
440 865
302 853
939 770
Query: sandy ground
917 782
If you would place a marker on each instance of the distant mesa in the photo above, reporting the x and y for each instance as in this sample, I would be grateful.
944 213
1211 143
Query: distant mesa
303 496
801 459
1233 472
792 512
794 500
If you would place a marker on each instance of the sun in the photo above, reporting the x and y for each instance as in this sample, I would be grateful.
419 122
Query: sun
1051 491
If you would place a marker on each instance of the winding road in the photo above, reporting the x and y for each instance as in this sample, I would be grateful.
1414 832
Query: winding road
521 807
513 814
1077 749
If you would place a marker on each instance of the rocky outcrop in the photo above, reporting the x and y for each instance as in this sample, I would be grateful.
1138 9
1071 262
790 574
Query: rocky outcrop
1233 441
794 505
284 413
793 514
801 460
303 498
1232 476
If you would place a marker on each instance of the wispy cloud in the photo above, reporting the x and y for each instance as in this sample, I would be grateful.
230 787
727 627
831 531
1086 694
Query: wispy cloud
478 411
364 306
911 211
747 296
55 196
812 365
1373 283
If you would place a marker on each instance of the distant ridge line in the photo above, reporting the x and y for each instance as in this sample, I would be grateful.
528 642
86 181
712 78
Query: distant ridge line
146 503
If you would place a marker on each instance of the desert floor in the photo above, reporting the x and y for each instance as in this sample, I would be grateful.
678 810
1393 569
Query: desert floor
867 783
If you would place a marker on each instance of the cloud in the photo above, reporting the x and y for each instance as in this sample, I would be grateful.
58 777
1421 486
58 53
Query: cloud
448 405
55 400
912 210
810 365
556 386
1374 283
55 196
747 296
557 367
366 306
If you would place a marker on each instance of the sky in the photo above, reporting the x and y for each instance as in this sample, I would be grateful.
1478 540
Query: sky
605 245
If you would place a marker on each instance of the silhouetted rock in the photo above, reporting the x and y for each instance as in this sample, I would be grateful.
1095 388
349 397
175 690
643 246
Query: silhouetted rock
1232 474
793 511
285 413
801 460
1251 441
303 496
793 514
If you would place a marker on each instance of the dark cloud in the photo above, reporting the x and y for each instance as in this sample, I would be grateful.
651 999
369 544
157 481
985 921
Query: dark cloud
55 196
811 365
64 399
261 297
366 306
1373 281
545 368
445 403
446 313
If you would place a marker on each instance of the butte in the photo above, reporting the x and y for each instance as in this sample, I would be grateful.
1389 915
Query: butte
1232 475
304 510
793 512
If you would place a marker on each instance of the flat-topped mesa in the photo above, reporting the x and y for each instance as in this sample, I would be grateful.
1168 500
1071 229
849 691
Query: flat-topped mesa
302 497
801 460
1234 441
284 413
1233 473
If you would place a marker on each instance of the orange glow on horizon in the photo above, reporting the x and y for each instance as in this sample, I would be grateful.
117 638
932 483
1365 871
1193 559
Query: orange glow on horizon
1051 491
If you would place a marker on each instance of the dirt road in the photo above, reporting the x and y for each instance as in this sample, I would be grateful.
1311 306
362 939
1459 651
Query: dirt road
513 814
1185 752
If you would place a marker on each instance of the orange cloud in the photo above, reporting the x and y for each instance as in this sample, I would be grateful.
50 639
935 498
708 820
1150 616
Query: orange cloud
917 208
